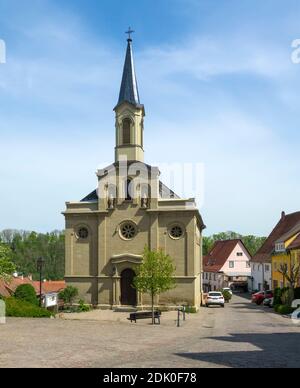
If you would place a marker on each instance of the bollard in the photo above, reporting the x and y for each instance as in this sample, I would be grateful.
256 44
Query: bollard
183 312
178 317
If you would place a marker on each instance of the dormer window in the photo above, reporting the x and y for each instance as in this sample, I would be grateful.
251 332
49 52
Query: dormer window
126 125
279 247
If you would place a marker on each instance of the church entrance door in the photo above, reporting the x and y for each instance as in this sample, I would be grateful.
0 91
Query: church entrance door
128 293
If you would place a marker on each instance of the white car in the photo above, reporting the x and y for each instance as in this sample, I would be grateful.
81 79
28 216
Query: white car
228 289
215 298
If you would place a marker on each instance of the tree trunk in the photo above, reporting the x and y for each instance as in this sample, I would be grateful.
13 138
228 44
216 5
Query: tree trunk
152 302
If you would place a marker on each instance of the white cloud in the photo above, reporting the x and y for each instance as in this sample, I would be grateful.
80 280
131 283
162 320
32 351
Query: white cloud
57 123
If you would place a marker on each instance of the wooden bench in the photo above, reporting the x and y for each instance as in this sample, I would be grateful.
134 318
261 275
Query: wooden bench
145 315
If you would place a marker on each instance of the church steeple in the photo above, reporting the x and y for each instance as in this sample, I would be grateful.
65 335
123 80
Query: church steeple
129 113
129 88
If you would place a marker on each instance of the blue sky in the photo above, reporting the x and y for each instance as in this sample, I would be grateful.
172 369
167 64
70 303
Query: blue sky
217 81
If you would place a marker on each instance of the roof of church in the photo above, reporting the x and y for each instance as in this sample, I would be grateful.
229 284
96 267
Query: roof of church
164 193
129 88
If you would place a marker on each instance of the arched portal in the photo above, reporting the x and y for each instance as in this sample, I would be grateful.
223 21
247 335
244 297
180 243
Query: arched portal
128 293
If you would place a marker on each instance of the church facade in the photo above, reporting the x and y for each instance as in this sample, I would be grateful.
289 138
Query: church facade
106 232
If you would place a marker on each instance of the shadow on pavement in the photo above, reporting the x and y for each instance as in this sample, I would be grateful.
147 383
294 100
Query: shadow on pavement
278 350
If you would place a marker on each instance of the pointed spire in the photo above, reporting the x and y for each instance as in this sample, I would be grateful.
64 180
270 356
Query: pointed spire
129 88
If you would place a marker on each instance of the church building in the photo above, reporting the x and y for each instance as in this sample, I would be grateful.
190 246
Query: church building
107 231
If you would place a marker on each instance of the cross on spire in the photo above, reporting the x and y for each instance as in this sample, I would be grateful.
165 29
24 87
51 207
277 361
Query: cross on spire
129 32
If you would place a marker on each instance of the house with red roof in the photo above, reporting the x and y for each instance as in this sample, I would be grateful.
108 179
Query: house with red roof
226 265
50 289
261 264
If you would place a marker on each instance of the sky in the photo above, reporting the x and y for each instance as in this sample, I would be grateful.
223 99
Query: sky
217 81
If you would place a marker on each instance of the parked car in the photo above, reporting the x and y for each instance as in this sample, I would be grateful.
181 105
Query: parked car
215 299
269 302
259 297
227 289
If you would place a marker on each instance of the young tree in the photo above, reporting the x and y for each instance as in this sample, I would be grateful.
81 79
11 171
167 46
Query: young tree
292 275
7 268
155 275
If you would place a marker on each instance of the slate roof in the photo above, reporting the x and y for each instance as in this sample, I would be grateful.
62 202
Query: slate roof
164 193
285 224
129 87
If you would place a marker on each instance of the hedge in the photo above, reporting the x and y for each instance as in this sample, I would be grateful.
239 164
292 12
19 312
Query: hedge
26 292
284 309
21 309
297 293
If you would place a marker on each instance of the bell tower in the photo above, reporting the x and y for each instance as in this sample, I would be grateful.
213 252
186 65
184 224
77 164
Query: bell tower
130 113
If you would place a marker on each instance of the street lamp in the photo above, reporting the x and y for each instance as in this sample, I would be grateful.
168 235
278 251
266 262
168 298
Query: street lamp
40 264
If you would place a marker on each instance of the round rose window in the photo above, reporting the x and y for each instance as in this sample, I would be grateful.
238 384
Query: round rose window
83 233
128 230
176 232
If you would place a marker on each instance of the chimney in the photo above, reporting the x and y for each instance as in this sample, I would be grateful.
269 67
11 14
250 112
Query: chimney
282 215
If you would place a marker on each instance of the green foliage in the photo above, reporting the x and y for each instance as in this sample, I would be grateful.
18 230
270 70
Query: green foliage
69 294
21 309
277 297
227 295
297 293
82 307
155 274
7 268
252 243
283 309
287 296
26 247
26 292
190 310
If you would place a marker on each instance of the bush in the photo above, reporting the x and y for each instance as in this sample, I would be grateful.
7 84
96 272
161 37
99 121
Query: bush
82 308
277 296
297 293
69 294
284 309
190 310
21 309
26 292
227 296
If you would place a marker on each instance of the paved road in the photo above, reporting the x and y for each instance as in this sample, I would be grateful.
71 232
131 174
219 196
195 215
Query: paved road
241 335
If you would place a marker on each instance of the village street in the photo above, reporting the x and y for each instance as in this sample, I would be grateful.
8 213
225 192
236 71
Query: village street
241 335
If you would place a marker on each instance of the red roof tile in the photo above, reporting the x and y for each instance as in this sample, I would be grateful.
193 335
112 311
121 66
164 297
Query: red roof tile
50 286
295 244
9 288
286 223
219 254
3 289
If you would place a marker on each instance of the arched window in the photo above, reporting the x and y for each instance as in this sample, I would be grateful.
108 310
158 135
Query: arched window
128 191
126 131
